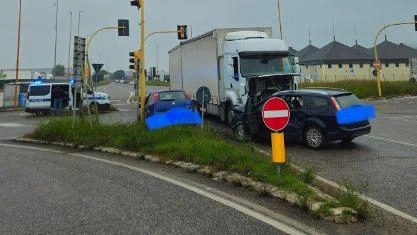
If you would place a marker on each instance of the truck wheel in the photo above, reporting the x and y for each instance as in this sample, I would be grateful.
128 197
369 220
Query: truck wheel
229 114
241 133
314 137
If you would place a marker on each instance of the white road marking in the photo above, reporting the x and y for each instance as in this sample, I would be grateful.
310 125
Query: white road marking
275 114
12 125
376 203
390 140
239 207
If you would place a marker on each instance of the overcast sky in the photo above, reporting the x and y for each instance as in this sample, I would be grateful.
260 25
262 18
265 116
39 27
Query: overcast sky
38 22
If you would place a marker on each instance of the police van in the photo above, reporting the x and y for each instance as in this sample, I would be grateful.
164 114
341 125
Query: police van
39 98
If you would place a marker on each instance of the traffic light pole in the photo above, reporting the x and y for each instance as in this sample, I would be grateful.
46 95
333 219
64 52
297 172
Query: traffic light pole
142 61
87 74
378 79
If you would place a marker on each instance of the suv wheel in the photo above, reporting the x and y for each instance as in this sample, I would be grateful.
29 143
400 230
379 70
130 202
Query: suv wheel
314 137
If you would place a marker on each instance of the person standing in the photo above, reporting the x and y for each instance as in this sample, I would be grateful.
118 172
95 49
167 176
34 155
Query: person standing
57 97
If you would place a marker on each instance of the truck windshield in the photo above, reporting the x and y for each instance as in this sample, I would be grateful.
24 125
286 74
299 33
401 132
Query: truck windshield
264 64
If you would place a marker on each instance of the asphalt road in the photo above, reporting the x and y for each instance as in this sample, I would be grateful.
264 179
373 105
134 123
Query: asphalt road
54 192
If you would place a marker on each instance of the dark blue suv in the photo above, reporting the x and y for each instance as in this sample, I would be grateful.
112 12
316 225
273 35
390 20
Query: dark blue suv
312 117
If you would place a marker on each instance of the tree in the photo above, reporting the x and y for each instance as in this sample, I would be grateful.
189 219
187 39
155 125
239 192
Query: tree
119 74
2 74
59 70
100 76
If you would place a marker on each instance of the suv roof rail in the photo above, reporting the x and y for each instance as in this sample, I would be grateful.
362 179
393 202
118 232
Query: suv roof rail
326 88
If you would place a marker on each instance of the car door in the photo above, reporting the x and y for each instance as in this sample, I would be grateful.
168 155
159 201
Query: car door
293 131
149 105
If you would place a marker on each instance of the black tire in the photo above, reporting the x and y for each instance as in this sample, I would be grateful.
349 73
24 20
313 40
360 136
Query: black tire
229 114
39 113
314 137
92 108
241 133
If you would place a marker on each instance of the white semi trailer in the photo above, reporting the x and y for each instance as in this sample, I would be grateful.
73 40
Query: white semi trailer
233 63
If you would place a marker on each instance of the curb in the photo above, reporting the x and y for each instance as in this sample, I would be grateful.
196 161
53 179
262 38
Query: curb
338 215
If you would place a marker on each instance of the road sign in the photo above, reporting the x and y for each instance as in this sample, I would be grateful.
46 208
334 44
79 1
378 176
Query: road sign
203 95
377 65
275 114
97 67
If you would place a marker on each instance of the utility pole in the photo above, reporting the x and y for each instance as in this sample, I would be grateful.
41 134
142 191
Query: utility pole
56 33
280 21
18 54
69 45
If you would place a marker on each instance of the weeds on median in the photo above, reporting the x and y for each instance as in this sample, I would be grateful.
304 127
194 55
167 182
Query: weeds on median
182 143
350 198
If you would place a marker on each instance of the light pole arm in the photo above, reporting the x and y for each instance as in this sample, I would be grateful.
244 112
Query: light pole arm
158 32
376 50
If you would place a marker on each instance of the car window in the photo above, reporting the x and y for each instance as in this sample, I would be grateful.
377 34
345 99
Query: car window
148 100
347 100
39 90
295 102
172 95
315 102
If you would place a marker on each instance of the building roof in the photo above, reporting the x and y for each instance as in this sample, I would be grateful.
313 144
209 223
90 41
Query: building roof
362 51
307 51
293 51
335 52
390 51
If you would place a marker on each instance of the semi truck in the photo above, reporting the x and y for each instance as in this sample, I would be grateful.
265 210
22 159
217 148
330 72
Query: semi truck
233 63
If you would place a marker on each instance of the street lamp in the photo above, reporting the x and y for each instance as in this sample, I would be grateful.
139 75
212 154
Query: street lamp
56 33
18 53
79 20
69 45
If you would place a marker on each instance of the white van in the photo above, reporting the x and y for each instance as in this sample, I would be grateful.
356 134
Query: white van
39 101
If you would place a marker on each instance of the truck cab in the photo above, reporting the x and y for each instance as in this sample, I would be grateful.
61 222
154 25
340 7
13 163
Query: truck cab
252 55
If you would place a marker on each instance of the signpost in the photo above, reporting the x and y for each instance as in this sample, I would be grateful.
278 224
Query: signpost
276 115
203 97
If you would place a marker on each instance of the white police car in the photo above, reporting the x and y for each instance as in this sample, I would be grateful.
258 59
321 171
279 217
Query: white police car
39 98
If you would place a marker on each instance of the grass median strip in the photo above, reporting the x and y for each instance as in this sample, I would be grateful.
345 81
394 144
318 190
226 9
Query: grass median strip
368 88
181 143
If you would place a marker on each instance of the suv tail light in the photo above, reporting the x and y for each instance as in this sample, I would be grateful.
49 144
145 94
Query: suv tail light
335 104
155 97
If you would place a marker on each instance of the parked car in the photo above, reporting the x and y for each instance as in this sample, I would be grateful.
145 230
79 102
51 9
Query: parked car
163 101
313 117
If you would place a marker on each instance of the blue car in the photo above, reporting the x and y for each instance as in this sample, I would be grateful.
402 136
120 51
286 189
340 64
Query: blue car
163 101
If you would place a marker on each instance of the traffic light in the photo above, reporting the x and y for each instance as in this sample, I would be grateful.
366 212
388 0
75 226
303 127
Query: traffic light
134 60
123 26
182 32
415 20
137 3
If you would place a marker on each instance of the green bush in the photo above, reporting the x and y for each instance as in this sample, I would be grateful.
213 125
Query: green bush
368 88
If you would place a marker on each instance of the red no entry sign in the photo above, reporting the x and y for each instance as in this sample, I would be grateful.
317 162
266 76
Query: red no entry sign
276 114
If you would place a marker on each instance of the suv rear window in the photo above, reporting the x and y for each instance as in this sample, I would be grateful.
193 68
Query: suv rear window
172 95
39 90
347 100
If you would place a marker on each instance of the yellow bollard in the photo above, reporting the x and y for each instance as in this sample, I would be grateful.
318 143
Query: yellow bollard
278 148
